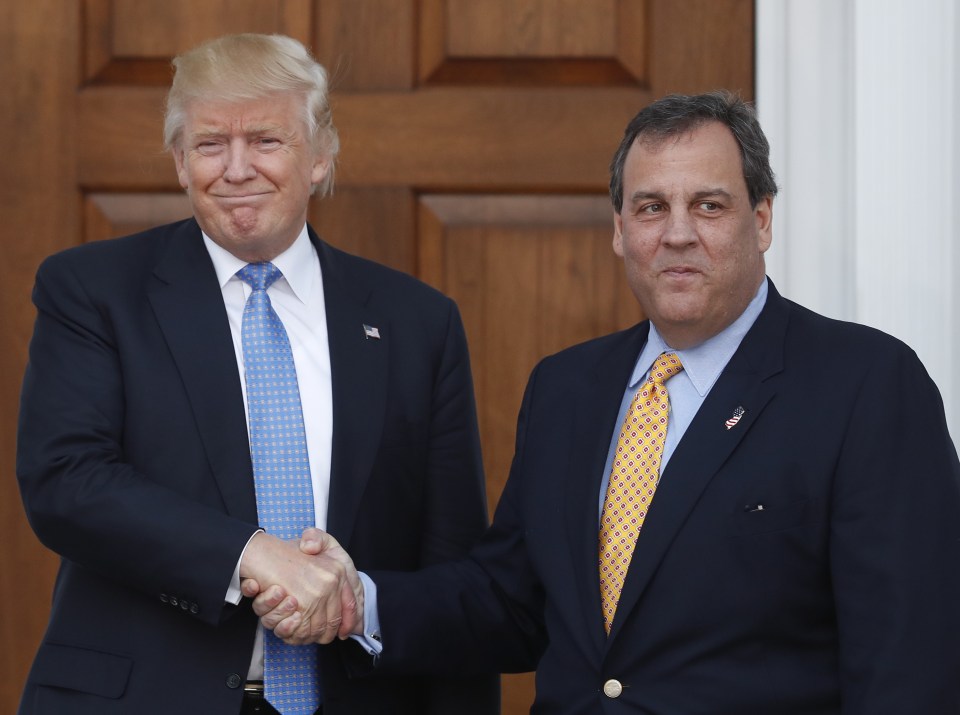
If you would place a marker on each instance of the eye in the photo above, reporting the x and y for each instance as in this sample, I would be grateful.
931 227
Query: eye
267 142
709 206
652 208
208 147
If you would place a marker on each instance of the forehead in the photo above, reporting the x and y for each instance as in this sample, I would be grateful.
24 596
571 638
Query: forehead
708 153
278 111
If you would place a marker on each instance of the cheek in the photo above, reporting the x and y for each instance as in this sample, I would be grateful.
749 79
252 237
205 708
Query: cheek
198 176
639 250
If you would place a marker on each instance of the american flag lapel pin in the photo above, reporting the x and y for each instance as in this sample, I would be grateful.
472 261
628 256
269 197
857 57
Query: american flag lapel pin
734 418
371 332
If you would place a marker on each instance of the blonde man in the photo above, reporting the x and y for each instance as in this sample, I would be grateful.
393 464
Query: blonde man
141 454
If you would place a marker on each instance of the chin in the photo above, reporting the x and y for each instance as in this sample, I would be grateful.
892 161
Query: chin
675 309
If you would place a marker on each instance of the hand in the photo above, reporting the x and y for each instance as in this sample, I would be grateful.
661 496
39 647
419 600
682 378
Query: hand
316 596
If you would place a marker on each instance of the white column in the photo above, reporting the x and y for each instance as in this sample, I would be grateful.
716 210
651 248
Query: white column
804 78
860 101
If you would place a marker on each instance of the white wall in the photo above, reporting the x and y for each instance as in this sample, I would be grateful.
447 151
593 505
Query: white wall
861 102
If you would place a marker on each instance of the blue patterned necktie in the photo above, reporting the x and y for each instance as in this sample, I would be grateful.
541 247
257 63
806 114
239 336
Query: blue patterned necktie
281 472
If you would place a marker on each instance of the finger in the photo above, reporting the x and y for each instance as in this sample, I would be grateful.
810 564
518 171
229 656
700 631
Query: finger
285 609
307 629
272 598
249 587
312 540
287 627
334 601
351 613
323 626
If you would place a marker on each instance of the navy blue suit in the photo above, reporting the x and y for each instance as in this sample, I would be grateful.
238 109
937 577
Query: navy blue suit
841 595
134 467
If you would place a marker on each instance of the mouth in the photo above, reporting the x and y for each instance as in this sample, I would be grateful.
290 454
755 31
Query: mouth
240 198
679 272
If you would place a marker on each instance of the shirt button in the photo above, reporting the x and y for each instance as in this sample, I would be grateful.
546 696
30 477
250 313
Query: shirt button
612 688
234 681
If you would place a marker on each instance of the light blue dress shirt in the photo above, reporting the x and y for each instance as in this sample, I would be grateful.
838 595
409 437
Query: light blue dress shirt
688 389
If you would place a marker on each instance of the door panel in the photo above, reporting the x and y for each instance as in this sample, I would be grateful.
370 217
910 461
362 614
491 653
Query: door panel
475 142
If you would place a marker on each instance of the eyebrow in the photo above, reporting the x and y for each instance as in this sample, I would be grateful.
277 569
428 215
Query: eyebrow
697 196
641 195
257 130
707 193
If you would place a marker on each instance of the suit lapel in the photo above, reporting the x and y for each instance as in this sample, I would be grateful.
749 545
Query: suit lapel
706 445
188 305
596 408
359 367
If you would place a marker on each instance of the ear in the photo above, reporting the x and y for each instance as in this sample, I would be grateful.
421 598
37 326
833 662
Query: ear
618 234
763 215
180 161
321 167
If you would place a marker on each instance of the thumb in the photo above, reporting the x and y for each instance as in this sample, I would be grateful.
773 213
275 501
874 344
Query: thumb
249 587
315 541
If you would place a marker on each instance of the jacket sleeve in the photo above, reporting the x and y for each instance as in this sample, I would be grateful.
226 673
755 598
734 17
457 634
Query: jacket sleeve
455 514
86 497
895 546
479 614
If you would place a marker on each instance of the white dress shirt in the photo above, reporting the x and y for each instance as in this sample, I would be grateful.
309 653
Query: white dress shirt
297 297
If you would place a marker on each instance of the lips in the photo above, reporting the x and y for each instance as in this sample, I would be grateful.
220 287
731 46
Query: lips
241 197
679 271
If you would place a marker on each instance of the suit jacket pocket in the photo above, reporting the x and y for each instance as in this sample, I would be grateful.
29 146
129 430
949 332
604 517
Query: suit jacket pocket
81 669
762 518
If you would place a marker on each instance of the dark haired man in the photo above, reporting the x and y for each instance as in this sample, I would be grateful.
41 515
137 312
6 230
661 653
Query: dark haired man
737 507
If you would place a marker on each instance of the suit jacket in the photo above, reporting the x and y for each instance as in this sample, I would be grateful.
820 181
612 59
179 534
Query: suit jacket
134 467
840 595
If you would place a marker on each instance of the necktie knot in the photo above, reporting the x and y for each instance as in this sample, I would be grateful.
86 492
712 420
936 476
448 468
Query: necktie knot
665 367
259 276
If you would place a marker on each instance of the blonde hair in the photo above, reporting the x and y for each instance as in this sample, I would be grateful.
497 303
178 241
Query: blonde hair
253 66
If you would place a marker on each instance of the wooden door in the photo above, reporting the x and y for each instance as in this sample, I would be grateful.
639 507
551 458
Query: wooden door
476 137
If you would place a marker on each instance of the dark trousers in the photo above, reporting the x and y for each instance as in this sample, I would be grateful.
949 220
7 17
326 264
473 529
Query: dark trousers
256 704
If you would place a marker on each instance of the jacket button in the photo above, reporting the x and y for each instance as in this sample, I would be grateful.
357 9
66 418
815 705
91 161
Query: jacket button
194 608
234 681
612 688
164 598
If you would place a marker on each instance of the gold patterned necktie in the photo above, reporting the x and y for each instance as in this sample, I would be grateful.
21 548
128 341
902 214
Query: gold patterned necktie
633 480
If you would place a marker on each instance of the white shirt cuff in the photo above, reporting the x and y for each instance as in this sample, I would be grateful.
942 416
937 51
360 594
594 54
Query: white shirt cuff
233 590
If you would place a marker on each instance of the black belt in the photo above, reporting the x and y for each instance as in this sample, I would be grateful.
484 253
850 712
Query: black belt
253 687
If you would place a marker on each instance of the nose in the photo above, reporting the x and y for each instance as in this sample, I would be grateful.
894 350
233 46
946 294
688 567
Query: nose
239 166
679 230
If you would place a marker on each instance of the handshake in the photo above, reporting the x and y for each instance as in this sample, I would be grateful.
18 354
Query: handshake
305 593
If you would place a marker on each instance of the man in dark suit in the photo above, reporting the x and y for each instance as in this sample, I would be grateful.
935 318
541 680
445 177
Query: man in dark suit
134 457
800 553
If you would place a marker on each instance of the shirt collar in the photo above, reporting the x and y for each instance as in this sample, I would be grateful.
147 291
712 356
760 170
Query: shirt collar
702 363
297 264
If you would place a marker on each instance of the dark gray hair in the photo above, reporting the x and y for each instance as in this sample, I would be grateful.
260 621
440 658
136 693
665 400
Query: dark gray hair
678 114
